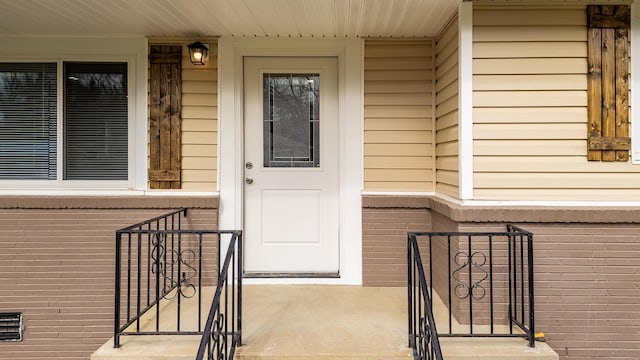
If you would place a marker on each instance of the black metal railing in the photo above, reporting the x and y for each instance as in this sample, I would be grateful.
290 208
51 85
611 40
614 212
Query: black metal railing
484 279
223 333
423 335
162 269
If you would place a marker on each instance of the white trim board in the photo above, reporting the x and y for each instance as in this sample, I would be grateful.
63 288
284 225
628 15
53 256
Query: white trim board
465 99
635 83
510 203
399 193
547 203
349 52
106 192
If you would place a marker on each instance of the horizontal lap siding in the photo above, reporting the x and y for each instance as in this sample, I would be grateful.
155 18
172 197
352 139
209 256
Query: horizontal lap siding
200 123
447 111
57 268
530 110
398 99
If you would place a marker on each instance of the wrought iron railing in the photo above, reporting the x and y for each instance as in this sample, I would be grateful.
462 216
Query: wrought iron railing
485 280
223 330
423 335
160 272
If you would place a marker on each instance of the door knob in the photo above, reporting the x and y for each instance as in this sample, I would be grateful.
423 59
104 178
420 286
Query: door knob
248 180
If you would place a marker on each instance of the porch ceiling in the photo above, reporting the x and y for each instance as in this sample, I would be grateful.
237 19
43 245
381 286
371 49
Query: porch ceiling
284 18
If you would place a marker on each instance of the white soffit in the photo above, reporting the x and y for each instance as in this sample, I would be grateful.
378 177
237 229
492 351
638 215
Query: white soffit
284 18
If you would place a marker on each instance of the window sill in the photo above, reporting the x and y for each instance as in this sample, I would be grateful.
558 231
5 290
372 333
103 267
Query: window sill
104 200
88 188
67 186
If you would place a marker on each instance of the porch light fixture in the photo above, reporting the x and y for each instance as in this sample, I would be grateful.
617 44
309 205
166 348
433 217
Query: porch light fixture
198 53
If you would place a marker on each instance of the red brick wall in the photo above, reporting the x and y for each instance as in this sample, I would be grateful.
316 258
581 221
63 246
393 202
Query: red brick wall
57 266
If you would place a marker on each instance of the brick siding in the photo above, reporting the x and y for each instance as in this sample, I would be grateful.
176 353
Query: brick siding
57 267
587 265
384 238
587 288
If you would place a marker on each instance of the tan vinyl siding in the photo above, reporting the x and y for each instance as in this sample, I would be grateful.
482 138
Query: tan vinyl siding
447 111
398 98
200 123
199 119
530 110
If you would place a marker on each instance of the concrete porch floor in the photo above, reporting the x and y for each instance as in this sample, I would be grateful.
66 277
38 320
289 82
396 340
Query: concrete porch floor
296 322
325 322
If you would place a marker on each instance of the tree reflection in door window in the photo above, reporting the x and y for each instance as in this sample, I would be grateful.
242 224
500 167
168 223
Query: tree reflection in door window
291 121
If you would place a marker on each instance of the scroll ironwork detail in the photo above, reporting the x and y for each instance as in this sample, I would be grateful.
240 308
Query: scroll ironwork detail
164 265
475 263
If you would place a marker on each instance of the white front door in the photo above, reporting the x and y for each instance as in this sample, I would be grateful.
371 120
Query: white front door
291 154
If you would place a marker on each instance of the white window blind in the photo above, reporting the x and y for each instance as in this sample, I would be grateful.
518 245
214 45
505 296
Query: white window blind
28 117
95 121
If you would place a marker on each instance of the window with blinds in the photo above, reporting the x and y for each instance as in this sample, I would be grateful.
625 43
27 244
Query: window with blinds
95 121
28 119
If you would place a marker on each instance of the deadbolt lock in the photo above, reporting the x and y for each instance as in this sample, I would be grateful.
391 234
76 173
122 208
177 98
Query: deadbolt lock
249 165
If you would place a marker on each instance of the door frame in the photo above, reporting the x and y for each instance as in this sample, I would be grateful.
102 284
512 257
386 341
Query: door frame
349 52
309 247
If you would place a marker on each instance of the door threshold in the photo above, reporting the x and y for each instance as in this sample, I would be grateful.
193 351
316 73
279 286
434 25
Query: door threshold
277 275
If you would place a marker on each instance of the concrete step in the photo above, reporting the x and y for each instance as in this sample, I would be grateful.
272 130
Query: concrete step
315 322
324 322
351 322
161 347
494 349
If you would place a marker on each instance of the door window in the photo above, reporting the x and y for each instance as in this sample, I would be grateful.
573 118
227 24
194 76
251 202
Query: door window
291 121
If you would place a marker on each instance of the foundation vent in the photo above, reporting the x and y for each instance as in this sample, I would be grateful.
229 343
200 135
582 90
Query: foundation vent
10 326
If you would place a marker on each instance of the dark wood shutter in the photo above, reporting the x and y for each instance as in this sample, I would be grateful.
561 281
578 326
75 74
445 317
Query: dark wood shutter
165 103
608 82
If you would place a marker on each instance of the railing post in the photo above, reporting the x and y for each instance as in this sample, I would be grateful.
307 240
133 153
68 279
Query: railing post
180 277
157 270
510 285
139 281
240 270
491 315
200 282
217 322
532 328
409 290
116 310
426 344
449 295
522 307
471 285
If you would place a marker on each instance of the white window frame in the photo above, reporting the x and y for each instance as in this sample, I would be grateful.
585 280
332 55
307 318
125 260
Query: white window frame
133 52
